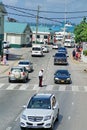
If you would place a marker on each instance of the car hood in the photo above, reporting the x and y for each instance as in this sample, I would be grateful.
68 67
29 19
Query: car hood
37 112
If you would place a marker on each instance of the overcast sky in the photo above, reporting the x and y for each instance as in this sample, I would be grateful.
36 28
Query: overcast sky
50 5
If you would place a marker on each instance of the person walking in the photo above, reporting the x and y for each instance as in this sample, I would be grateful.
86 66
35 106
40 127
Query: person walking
40 77
74 53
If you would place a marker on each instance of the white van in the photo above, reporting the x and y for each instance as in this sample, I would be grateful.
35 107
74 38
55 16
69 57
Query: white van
37 50
69 43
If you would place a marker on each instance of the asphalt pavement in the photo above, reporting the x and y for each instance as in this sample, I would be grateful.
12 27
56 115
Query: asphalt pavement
16 54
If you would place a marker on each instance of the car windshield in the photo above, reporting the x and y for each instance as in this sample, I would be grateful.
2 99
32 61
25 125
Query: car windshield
39 104
23 63
63 73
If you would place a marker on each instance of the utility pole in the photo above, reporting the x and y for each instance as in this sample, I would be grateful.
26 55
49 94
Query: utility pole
37 20
64 23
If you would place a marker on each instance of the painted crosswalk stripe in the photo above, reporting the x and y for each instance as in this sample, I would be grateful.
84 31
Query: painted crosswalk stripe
75 88
36 87
11 86
85 88
49 87
1 85
24 87
62 88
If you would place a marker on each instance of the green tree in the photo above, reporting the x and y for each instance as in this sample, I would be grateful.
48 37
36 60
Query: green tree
81 31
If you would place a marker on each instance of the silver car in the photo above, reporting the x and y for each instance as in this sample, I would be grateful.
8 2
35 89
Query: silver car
41 111
27 64
18 73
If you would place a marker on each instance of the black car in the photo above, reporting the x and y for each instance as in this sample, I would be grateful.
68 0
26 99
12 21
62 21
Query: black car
60 58
62 49
62 76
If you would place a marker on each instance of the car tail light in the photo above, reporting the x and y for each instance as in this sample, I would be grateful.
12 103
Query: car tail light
23 73
9 73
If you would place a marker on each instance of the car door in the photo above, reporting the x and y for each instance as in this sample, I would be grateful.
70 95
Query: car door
54 106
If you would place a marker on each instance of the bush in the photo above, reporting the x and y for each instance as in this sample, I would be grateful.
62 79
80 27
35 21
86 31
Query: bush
85 52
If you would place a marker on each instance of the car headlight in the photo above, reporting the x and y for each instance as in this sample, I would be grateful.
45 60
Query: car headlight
56 78
47 118
23 117
68 78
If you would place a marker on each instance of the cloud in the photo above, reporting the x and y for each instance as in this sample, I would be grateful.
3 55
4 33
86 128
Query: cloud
10 2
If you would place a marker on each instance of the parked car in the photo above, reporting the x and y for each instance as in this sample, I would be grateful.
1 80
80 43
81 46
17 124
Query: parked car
18 73
41 111
27 64
60 58
62 76
45 49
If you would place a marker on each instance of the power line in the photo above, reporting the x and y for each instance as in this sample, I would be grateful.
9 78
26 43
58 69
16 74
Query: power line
27 14
81 11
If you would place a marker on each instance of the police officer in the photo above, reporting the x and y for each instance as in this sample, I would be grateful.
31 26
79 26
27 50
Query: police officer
40 77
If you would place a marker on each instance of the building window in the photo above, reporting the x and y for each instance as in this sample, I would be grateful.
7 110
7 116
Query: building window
45 37
38 36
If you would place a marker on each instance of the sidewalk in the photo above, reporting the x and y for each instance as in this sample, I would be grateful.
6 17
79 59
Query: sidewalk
15 55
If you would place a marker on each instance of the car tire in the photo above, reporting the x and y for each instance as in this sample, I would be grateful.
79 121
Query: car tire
57 118
52 125
22 128
9 80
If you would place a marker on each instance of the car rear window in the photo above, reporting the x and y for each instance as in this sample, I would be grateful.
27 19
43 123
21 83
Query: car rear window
60 55
23 63
36 49
16 70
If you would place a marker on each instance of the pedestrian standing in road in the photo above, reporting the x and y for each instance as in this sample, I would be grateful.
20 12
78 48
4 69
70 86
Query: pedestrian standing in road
74 54
40 77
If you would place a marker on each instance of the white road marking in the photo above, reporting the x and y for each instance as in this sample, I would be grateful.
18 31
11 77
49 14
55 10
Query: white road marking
9 128
75 88
49 87
17 86
36 87
85 87
72 103
1 85
62 88
11 86
69 117
24 87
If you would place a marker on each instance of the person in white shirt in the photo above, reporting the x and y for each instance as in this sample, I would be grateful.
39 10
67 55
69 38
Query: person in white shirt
40 77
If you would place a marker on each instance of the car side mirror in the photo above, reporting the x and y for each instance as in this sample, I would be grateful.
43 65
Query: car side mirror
54 107
24 106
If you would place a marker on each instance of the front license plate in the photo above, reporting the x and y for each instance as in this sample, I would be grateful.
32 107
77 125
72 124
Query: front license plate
62 81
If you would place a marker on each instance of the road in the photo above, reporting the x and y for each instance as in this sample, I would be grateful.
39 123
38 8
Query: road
72 98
